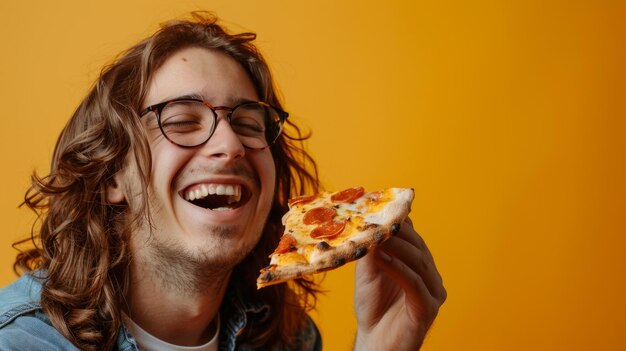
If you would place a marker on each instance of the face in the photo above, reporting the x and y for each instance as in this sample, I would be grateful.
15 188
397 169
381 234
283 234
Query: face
223 227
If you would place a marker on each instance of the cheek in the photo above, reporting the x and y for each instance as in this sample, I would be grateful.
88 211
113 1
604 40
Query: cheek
166 162
267 173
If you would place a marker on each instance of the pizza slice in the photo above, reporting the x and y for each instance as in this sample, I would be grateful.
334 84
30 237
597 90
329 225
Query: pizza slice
324 231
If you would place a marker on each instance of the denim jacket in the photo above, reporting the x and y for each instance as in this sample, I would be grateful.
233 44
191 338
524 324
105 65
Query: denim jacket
24 325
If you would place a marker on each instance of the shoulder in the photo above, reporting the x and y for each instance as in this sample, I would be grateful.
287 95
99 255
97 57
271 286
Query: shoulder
32 331
19 298
23 325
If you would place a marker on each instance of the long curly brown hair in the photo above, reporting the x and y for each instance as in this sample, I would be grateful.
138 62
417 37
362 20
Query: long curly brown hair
81 244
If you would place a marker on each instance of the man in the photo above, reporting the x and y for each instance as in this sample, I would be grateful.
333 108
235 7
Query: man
164 200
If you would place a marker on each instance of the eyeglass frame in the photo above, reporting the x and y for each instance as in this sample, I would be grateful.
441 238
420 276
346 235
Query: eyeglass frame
158 108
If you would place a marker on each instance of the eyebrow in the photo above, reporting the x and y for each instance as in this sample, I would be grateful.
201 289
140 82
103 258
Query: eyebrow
193 96
196 96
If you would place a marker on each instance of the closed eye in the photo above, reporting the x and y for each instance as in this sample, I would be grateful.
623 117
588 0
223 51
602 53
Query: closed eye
247 126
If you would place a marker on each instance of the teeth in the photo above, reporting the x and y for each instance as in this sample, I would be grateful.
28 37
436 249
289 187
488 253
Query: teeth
231 190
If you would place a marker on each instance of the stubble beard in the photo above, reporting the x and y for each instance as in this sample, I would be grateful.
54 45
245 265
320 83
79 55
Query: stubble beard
188 271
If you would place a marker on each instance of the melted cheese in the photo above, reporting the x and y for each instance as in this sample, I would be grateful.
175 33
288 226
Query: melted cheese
369 208
289 258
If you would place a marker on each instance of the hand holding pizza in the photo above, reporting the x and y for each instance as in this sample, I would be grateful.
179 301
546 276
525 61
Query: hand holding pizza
398 288
398 293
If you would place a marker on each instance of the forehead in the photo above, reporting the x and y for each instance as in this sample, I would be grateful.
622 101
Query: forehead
215 76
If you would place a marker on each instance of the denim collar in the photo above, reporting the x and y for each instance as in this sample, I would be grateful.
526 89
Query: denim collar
236 313
22 297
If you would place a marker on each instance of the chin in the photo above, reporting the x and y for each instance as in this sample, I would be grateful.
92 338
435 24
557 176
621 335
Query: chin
225 247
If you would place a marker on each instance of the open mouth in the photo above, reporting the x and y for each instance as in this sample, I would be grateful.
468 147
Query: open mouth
216 197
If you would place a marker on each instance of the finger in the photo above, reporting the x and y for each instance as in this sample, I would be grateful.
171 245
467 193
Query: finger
418 296
411 241
419 261
408 233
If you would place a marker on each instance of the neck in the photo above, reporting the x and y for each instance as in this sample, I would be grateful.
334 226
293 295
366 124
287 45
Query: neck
176 306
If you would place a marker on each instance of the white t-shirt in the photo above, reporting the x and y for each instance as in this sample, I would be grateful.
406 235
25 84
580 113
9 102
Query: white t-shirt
148 342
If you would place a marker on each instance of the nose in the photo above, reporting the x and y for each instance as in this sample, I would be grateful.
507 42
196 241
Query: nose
224 143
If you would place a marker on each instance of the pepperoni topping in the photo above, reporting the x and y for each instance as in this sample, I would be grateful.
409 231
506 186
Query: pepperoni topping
348 195
301 199
319 215
328 230
287 243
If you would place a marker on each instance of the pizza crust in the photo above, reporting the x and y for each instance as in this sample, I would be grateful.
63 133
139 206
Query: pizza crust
378 227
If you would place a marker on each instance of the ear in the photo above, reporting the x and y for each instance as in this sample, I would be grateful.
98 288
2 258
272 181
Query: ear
115 190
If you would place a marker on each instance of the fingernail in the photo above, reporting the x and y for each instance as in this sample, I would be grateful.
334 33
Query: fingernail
395 228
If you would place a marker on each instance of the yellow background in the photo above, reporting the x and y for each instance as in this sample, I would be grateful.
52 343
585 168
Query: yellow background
507 117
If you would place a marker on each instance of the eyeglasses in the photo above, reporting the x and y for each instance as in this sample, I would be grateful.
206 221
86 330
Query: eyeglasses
191 122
